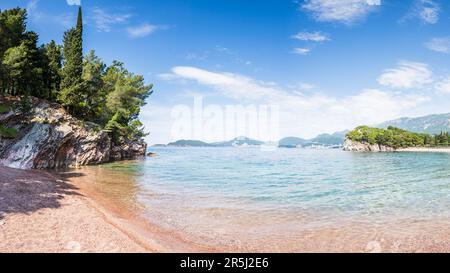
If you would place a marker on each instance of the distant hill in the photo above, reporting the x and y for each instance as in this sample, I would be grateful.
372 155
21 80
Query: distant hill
240 141
292 142
327 139
189 143
432 124
288 142
159 145
322 140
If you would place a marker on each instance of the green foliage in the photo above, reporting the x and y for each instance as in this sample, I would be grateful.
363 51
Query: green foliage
71 84
126 92
80 21
15 64
8 132
94 95
108 96
112 97
22 63
12 30
25 106
72 89
4 109
52 58
397 138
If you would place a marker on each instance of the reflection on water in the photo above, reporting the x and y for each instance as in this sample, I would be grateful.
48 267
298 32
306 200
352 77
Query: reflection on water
288 200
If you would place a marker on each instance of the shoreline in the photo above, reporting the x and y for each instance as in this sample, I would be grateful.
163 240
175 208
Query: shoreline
64 216
424 150
64 213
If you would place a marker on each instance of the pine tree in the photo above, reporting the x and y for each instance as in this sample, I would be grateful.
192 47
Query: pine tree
52 55
111 97
22 66
71 94
93 72
34 77
12 32
80 21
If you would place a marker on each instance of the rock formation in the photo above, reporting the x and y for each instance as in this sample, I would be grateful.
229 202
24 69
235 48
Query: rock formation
353 146
51 138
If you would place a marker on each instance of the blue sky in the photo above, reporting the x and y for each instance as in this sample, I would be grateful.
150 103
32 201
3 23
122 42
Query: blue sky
330 65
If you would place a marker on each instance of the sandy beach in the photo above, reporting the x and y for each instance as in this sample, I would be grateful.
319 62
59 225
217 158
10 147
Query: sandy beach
40 212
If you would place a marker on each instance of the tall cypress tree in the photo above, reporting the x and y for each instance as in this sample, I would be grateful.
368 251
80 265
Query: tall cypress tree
78 45
72 94
80 21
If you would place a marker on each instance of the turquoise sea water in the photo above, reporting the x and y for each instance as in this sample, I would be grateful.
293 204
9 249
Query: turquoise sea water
248 197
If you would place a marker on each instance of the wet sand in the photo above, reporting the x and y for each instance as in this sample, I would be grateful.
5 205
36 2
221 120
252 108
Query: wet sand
40 212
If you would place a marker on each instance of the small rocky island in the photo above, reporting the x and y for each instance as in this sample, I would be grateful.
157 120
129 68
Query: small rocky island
367 139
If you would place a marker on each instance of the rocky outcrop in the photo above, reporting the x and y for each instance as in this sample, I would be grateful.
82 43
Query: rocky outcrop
353 146
128 150
51 138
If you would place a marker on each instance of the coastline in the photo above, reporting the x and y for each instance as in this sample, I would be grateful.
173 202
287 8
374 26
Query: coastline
424 150
43 212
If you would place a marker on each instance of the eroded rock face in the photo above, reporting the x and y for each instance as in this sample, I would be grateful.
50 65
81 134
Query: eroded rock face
353 146
52 138
129 150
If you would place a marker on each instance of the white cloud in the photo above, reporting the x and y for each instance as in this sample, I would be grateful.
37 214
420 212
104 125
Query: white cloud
428 11
343 11
32 10
443 86
311 36
441 45
302 86
74 2
406 75
305 115
35 14
233 85
105 21
301 51
141 31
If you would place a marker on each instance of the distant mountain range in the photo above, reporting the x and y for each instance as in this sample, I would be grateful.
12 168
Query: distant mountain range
336 139
237 142
188 143
432 124
240 141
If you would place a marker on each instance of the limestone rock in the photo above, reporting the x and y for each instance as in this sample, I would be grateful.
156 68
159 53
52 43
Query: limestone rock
353 146
52 138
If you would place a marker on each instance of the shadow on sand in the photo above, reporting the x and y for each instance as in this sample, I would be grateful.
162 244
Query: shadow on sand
25 192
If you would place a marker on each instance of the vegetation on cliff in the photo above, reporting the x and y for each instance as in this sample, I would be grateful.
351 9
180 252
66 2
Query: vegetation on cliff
110 96
397 138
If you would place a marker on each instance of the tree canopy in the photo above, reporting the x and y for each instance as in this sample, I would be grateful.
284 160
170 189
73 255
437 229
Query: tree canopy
110 96
397 138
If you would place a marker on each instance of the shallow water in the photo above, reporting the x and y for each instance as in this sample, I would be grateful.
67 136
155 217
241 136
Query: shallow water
289 199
